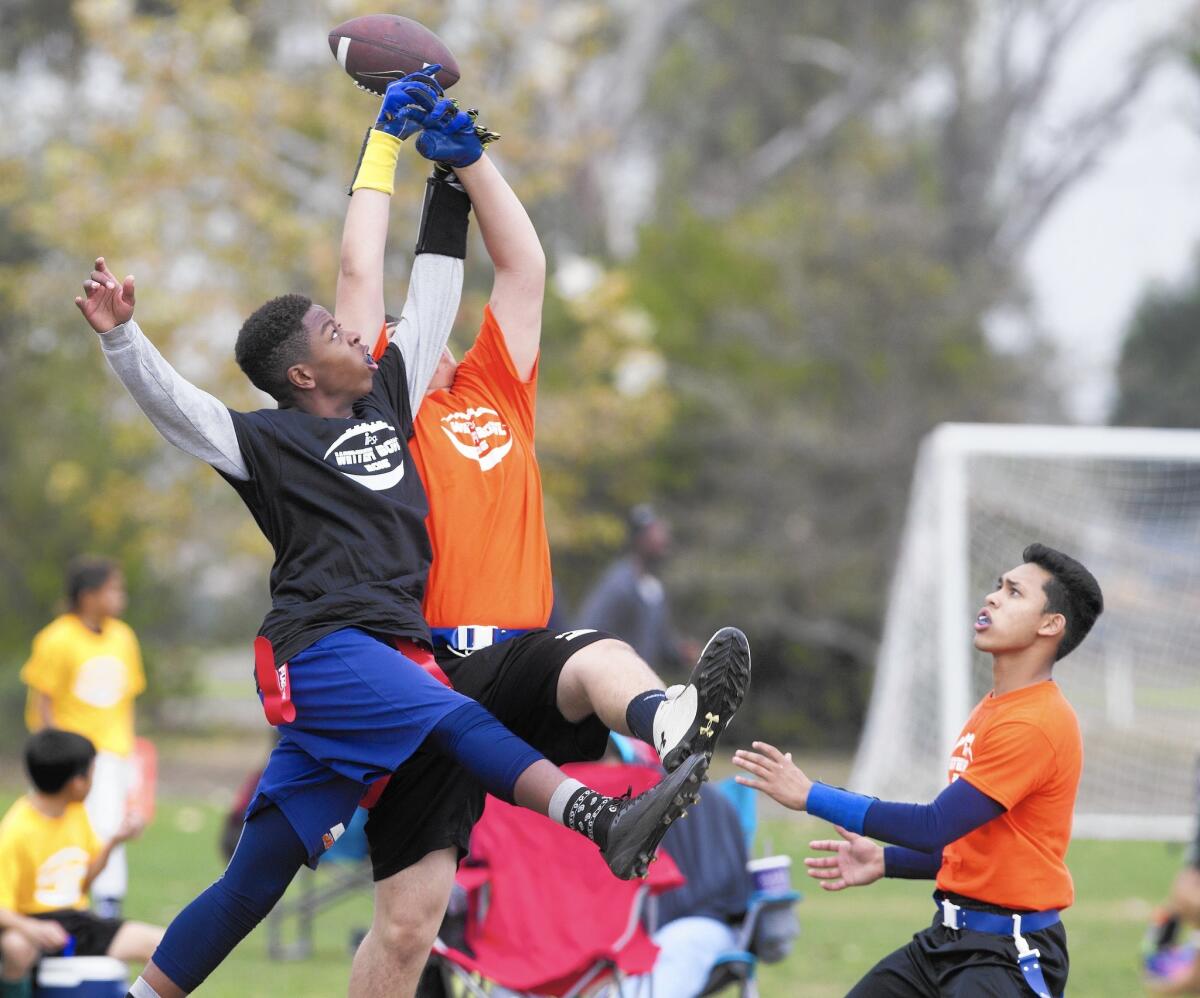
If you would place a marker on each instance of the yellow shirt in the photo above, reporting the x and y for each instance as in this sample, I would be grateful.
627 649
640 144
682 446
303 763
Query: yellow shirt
91 679
44 860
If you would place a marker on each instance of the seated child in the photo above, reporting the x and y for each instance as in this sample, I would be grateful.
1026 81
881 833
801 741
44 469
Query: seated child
49 856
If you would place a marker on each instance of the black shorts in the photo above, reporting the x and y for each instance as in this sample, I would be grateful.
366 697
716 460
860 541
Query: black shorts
431 801
93 935
947 963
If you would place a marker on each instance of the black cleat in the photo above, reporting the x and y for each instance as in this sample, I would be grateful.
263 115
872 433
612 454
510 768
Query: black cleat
693 716
642 821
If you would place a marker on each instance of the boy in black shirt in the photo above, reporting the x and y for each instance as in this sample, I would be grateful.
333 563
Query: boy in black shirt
330 482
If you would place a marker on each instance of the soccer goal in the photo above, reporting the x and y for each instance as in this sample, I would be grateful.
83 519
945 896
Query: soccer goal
1125 502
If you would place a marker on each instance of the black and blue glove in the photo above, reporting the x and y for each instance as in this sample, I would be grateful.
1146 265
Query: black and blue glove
407 101
450 136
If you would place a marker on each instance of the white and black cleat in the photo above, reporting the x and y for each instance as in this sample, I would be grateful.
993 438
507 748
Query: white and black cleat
693 716
642 821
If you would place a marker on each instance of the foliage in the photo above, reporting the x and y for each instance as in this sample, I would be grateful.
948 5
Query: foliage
774 256
1160 359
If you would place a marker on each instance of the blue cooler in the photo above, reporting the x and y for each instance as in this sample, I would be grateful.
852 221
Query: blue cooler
81 977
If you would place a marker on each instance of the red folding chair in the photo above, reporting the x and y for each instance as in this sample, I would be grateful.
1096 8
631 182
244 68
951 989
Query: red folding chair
545 916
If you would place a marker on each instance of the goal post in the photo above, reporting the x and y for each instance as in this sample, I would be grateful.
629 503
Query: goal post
1126 503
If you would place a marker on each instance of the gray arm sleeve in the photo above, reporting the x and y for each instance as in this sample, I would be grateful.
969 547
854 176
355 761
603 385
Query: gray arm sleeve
191 419
434 292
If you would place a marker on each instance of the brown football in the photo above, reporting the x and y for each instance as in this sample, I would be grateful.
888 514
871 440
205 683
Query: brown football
379 48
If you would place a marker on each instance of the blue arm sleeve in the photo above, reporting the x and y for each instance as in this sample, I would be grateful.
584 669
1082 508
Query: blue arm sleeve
909 864
957 810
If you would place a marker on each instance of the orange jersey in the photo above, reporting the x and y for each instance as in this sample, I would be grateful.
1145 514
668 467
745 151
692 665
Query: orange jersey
473 445
1024 750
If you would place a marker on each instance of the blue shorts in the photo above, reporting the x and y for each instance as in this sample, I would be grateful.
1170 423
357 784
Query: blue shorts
362 708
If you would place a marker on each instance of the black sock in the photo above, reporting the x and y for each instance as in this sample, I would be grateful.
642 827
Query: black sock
639 715
591 814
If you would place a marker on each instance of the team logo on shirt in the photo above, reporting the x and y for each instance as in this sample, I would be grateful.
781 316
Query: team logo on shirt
101 681
961 756
60 878
369 454
478 434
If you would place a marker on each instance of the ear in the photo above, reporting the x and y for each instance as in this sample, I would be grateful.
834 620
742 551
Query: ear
301 377
1053 625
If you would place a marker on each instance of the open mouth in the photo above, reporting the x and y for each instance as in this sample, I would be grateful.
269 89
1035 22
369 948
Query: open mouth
370 361
983 620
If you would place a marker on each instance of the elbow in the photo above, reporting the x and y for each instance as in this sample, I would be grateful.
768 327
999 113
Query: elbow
527 273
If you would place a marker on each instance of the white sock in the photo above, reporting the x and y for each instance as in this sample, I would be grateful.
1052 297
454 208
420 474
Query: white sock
141 989
557 811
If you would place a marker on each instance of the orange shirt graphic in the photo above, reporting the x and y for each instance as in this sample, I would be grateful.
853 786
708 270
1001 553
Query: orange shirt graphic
1024 750
473 446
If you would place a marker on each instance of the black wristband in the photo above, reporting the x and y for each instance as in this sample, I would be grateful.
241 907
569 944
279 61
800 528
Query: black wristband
358 162
444 218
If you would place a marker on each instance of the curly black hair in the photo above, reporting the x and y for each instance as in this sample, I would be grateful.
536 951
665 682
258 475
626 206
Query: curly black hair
1072 591
271 341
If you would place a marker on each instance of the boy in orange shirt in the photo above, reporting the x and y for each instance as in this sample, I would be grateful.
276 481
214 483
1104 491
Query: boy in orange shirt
996 838
489 594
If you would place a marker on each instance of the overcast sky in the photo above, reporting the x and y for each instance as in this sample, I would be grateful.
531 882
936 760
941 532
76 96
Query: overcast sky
1133 221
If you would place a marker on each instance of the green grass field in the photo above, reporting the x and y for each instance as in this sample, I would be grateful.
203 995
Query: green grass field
842 934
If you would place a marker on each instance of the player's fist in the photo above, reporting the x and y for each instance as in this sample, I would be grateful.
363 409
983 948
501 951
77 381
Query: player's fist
47 936
106 302
407 101
450 136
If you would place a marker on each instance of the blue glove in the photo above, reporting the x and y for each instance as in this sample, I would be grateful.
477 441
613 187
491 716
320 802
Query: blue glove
407 101
449 136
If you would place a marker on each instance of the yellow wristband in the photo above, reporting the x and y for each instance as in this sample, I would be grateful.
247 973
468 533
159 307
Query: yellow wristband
377 162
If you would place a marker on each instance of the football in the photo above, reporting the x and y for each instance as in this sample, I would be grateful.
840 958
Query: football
379 48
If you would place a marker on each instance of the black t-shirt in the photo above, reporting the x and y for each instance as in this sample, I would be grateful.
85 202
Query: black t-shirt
342 504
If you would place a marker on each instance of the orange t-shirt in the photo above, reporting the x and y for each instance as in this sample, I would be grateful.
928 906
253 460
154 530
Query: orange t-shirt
1024 750
473 446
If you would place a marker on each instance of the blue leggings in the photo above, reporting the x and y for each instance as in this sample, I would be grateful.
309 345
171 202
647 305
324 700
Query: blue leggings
269 852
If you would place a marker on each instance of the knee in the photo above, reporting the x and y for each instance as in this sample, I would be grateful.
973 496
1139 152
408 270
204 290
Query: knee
17 955
407 932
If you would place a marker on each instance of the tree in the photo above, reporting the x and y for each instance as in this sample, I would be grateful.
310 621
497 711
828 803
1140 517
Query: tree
1160 359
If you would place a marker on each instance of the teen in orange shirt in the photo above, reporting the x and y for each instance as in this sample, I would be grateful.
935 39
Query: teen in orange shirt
489 593
996 838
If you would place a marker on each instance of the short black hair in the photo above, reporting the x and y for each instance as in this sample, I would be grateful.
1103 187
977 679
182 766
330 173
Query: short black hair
87 573
1072 591
271 341
53 758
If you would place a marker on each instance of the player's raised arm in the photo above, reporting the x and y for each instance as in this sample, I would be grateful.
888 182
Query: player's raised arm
435 286
186 416
360 302
508 235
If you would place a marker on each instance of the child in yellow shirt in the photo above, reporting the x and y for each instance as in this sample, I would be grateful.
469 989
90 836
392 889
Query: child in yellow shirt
49 856
83 675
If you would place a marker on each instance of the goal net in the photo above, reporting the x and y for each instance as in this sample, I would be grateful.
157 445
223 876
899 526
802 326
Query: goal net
1125 502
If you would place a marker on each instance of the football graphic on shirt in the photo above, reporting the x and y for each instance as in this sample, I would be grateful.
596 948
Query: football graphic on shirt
478 434
369 454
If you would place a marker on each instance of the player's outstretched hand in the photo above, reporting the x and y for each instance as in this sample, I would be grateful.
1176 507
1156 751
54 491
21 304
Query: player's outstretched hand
450 136
407 101
856 861
106 302
774 773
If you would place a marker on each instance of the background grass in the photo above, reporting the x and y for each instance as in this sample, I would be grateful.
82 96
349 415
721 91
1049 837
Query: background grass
842 934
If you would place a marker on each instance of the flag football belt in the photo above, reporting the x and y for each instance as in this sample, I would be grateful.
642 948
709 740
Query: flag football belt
275 684
1029 960
464 640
